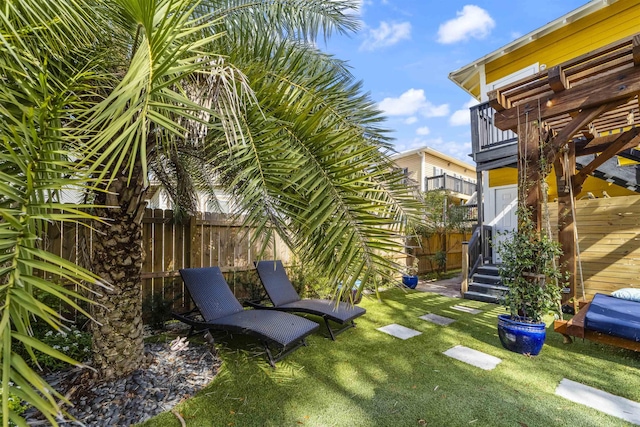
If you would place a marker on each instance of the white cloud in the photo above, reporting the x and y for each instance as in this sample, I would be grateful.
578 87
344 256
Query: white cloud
515 35
410 120
412 102
435 110
423 131
462 117
387 34
472 22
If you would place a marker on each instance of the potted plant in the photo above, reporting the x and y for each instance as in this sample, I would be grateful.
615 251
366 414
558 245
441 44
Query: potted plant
410 278
530 272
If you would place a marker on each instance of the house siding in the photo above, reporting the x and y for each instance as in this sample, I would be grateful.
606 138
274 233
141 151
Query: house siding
612 23
447 167
413 162
413 165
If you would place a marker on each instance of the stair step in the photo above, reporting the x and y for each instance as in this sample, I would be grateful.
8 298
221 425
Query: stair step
488 289
483 278
476 296
489 270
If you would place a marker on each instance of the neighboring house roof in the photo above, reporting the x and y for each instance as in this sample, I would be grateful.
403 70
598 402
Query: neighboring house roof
435 153
467 77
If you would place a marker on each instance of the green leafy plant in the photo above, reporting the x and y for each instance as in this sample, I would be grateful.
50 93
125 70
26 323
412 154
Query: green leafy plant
440 258
72 342
157 309
16 405
529 270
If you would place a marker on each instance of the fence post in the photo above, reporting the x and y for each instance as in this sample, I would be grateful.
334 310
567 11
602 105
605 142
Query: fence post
464 286
188 241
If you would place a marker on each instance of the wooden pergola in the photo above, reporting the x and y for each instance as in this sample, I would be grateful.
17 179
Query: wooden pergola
585 106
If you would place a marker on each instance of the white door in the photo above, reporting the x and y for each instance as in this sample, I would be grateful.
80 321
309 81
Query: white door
506 200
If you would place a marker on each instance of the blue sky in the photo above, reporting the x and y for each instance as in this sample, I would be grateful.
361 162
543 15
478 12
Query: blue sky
405 50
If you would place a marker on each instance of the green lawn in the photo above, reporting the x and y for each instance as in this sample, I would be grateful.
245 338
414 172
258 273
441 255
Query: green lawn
367 378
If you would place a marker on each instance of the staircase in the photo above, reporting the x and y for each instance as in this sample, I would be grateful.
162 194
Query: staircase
485 285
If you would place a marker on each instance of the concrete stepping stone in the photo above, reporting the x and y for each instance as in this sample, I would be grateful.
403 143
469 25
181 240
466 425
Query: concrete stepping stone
600 400
466 309
473 357
399 331
438 320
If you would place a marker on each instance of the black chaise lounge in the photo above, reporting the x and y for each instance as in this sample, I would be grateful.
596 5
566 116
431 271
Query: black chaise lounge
219 309
285 298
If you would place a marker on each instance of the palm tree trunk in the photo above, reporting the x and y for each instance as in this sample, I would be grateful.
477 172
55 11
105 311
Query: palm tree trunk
117 258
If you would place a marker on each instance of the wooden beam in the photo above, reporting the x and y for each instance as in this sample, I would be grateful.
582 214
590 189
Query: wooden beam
621 85
529 176
625 140
590 132
566 223
636 50
557 79
498 101
581 120
598 145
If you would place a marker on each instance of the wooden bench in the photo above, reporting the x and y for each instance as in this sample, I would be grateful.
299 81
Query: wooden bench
575 328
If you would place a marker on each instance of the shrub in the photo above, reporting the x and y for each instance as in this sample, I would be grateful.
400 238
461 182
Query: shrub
157 308
529 270
17 405
73 342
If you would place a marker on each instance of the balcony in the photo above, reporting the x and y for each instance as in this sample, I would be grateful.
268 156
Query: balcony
491 147
451 183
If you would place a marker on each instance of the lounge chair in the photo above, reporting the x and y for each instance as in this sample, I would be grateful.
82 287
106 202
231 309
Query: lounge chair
219 309
285 298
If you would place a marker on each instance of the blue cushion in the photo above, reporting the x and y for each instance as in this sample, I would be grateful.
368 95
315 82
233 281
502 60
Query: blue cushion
631 294
614 316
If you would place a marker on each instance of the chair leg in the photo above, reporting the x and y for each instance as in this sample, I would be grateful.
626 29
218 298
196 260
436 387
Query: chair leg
272 362
285 351
333 333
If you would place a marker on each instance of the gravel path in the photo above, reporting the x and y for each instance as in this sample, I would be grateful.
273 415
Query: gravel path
170 375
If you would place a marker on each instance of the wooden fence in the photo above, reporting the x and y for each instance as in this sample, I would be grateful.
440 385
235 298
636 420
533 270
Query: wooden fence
608 230
205 240
449 243
208 239
609 243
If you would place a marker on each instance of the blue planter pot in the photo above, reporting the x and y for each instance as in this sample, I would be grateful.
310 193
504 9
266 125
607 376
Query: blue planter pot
410 281
521 337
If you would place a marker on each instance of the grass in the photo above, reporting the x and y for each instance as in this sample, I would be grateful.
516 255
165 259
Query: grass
367 378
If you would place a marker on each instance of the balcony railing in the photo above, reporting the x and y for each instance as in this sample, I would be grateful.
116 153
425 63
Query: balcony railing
464 213
451 183
484 135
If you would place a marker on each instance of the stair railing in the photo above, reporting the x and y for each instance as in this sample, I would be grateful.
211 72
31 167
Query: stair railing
474 252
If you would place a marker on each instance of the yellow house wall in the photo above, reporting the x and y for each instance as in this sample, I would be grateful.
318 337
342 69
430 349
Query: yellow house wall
610 24
509 176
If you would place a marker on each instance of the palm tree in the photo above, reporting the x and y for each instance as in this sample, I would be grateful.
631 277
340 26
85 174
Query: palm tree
228 93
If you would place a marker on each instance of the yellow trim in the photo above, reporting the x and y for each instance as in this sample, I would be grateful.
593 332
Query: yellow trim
595 186
504 176
627 162
605 26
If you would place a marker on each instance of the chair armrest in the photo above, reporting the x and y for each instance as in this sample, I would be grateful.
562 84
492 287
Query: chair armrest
256 304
